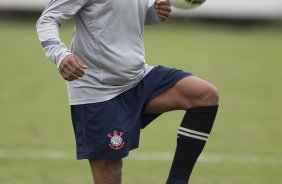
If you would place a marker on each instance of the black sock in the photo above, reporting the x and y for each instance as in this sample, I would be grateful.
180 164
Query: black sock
191 138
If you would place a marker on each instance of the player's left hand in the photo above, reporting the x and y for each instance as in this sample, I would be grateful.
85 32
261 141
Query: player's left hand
163 9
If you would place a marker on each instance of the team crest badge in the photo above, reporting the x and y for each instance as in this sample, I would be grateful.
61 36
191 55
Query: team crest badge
116 142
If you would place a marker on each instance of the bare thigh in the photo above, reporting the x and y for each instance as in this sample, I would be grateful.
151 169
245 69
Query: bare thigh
188 92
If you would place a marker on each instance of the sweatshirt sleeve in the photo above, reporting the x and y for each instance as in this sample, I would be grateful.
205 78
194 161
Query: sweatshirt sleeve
55 14
152 17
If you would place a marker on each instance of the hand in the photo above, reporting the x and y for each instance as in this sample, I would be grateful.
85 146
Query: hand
162 8
72 68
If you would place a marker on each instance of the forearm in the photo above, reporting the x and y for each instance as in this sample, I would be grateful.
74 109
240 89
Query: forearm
48 33
55 14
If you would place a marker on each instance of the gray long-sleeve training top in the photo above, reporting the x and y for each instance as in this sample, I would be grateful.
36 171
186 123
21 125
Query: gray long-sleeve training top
108 37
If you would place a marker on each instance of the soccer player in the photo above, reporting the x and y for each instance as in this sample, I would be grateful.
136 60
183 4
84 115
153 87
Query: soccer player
113 93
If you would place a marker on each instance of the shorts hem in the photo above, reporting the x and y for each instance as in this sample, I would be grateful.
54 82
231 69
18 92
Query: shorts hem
116 155
101 157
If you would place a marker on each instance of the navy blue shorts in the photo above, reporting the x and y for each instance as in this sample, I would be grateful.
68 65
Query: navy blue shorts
110 129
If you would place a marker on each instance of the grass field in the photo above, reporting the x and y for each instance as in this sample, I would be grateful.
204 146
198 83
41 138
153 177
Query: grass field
36 136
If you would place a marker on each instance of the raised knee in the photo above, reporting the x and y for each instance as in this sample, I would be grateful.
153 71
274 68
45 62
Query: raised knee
211 96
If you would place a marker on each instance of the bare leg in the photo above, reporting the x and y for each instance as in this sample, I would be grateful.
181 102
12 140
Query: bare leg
106 171
186 93
200 100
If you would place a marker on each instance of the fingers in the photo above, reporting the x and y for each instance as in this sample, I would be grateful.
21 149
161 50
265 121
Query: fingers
163 9
163 15
72 68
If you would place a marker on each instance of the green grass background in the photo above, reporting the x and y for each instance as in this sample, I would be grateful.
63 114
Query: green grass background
243 62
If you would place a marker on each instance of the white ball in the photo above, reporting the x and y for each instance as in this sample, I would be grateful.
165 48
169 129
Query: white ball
186 4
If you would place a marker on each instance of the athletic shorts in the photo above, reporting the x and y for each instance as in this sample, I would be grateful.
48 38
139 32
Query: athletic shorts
110 129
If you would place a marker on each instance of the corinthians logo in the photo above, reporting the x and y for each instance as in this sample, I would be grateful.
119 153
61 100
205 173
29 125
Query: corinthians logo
116 142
